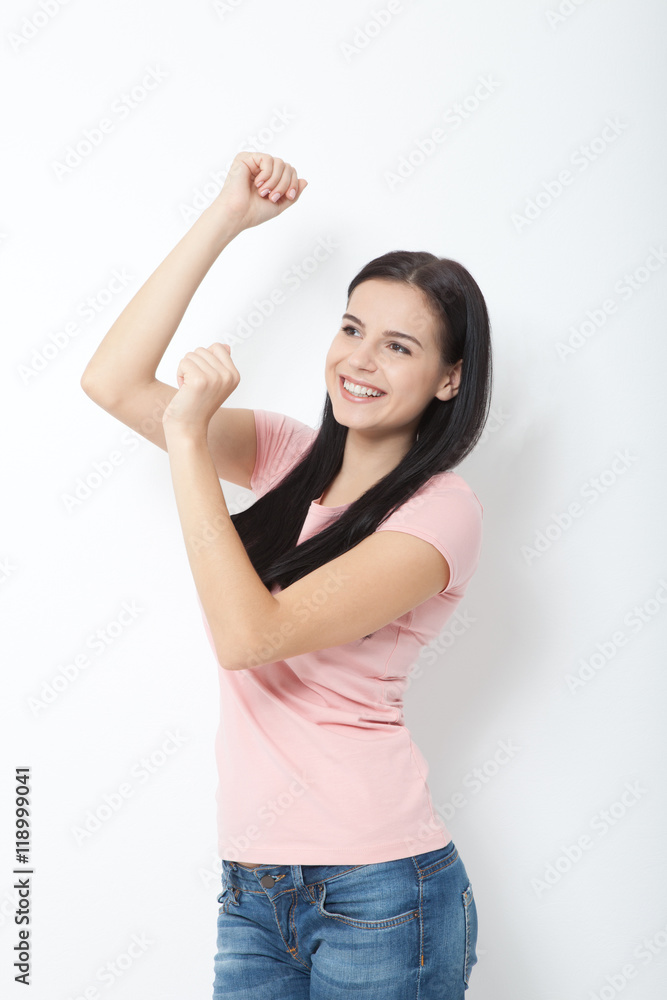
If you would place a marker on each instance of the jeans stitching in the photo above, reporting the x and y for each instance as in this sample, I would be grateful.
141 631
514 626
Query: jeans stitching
371 925
309 886
400 918
292 951
467 897
421 937
311 889
426 872
230 894
346 871
223 894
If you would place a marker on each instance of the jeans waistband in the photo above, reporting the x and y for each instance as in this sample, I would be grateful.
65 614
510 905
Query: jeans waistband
310 874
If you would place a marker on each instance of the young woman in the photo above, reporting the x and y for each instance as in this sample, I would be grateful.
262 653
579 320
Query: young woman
338 877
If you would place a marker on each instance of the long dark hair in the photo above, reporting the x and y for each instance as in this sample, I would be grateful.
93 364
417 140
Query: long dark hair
447 432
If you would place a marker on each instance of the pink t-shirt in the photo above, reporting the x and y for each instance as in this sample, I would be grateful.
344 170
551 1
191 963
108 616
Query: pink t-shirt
315 764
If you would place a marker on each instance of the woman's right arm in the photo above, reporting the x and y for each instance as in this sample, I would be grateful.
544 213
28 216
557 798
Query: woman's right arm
120 377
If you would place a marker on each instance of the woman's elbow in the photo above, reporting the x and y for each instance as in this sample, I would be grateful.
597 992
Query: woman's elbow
233 657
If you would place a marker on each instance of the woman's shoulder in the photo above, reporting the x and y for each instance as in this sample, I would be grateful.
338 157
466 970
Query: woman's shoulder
275 419
446 482
446 512
274 427
281 443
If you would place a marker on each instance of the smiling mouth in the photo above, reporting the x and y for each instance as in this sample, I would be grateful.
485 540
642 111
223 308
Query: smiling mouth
362 396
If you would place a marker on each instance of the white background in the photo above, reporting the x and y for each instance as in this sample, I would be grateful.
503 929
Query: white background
356 101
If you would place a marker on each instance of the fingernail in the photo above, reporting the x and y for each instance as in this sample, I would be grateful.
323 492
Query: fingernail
275 196
264 193
291 193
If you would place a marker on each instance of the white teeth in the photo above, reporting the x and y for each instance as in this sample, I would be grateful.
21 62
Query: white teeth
360 390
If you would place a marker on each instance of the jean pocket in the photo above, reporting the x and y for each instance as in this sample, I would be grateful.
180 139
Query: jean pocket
369 900
470 912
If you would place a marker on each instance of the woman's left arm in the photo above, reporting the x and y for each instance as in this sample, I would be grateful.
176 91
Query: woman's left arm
232 594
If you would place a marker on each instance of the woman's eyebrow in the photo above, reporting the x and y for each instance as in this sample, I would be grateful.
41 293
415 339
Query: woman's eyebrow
387 333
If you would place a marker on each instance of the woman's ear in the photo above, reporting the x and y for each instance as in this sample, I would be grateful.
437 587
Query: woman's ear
450 385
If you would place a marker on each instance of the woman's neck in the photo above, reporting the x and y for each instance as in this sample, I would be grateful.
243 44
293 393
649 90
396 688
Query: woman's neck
365 462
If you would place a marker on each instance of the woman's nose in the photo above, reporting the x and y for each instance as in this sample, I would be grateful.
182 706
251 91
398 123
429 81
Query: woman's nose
363 357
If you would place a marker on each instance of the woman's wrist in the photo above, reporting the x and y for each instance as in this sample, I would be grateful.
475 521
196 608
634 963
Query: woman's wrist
181 432
225 221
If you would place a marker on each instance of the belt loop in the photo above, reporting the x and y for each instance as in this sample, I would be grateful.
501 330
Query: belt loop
297 876
305 891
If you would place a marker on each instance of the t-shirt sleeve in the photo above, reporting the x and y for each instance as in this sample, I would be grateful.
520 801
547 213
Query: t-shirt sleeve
451 519
282 441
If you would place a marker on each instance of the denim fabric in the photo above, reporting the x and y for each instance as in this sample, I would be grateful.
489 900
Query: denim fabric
397 930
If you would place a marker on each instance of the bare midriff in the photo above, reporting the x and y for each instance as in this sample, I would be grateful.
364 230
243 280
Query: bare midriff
246 864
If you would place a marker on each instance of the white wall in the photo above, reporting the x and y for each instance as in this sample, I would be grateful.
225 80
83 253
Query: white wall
577 300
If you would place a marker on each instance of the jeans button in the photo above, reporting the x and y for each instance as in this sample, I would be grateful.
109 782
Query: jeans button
267 881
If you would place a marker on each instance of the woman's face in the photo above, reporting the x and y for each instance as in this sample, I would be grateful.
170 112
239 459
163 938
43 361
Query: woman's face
367 350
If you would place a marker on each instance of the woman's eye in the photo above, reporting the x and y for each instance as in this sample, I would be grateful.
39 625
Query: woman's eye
348 330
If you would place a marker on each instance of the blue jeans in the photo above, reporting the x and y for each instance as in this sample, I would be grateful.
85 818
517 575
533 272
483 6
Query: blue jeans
396 930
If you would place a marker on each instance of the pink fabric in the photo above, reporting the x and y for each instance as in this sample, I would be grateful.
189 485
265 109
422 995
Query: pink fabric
315 764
